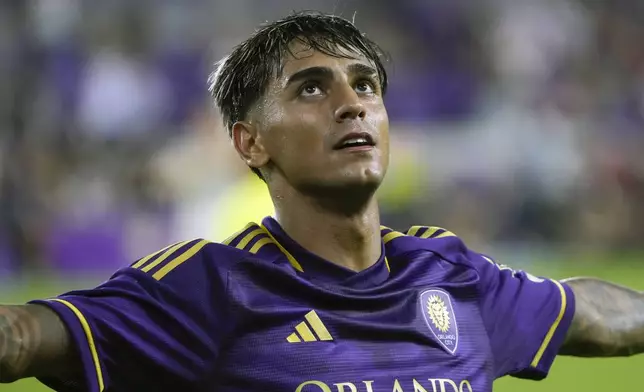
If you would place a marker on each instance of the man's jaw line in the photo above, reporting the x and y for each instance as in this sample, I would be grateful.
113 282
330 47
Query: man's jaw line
343 201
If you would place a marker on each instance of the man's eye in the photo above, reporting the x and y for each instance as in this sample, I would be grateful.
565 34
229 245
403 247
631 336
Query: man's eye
309 90
365 87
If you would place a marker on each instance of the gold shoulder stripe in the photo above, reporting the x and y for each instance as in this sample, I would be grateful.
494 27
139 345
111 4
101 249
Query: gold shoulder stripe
90 340
553 327
248 238
179 260
413 230
446 234
286 253
230 239
164 256
429 232
391 235
259 244
151 255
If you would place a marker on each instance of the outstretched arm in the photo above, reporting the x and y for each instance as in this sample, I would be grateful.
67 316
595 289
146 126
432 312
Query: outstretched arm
33 343
608 320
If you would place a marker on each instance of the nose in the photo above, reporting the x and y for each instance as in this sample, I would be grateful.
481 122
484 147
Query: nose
350 109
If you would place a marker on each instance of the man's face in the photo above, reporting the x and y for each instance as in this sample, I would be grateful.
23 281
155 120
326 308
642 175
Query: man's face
322 124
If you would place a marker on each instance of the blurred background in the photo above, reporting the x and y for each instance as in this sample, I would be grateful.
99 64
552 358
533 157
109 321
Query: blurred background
517 124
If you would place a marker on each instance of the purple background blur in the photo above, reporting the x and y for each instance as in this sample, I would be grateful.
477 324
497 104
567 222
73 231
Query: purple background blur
518 124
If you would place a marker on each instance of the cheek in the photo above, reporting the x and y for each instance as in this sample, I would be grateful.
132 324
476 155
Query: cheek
273 115
275 125
306 128
379 120
293 136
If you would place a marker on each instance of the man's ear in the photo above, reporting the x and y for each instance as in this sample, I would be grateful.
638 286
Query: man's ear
248 144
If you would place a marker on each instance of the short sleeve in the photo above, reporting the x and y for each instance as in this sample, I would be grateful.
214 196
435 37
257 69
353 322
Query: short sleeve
156 325
526 318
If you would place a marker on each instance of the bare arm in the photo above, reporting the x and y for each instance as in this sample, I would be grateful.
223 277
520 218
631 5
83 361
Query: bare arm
608 320
33 342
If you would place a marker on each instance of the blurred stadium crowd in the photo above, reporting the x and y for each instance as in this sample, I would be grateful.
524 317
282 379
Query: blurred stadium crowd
514 122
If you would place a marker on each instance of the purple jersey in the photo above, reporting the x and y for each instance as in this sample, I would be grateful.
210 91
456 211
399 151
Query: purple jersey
260 313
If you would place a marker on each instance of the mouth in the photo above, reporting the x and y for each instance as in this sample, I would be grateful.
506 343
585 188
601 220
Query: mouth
356 141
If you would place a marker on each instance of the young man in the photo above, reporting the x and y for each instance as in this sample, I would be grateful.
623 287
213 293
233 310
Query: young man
320 298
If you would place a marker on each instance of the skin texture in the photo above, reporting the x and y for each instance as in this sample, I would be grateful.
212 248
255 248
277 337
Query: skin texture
290 135
33 342
608 320
315 101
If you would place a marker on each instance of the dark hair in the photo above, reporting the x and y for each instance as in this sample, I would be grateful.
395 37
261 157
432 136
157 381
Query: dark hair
240 79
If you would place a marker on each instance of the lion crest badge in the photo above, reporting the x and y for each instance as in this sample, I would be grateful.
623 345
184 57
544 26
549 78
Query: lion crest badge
438 312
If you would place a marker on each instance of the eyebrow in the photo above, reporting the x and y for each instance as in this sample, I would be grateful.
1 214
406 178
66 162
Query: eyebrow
362 69
327 73
310 73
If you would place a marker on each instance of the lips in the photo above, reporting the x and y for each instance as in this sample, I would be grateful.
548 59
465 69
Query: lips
355 139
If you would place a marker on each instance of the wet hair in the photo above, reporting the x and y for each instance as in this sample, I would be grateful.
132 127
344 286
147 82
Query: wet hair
242 78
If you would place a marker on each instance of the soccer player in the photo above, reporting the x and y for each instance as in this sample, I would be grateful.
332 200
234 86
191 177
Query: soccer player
321 297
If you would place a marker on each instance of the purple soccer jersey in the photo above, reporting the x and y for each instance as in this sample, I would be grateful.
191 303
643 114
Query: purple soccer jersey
260 313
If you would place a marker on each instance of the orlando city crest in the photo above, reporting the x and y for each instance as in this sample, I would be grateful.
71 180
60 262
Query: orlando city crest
438 312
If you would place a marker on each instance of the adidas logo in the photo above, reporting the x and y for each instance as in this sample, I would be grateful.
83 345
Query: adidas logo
304 333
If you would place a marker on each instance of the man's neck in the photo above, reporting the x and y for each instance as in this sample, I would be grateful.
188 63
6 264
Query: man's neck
350 240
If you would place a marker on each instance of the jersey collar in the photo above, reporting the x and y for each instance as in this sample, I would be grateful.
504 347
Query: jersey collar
318 268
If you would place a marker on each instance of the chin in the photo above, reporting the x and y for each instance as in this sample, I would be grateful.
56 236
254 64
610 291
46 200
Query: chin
350 182
368 178
364 174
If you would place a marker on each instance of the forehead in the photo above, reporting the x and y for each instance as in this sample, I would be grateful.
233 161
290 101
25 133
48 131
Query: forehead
302 56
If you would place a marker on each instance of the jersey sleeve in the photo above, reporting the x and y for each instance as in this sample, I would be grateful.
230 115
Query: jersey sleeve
526 318
156 325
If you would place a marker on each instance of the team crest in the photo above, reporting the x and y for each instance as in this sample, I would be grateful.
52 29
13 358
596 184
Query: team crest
438 313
